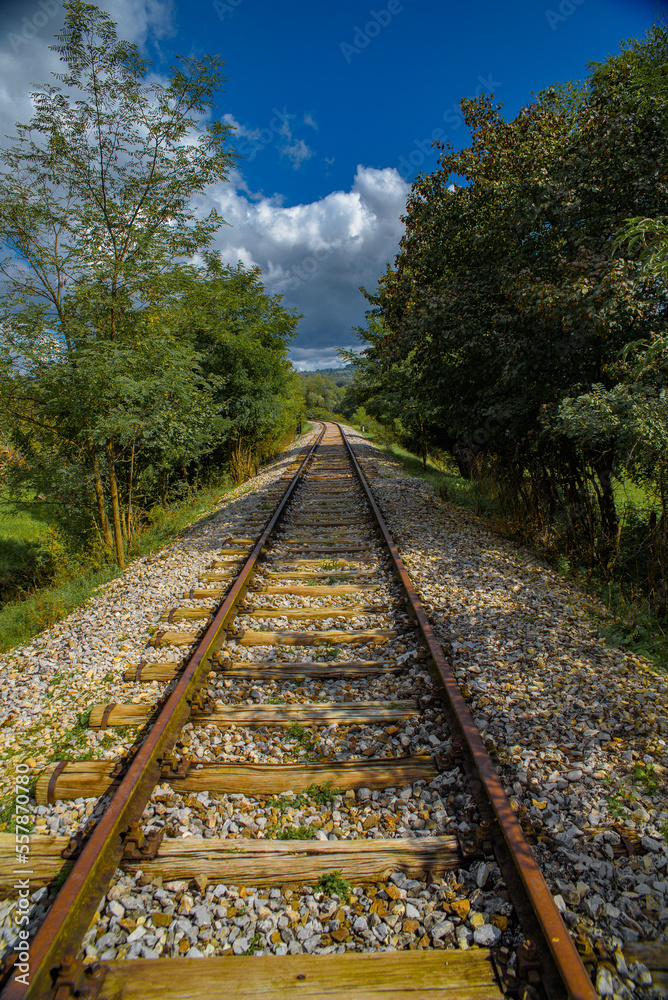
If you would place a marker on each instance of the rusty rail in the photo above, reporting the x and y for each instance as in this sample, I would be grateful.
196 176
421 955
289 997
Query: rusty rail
74 907
565 968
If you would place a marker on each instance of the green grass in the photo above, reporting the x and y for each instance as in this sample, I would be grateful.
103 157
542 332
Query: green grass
628 494
254 944
335 884
26 560
326 651
20 620
443 477
24 617
323 794
295 833
20 525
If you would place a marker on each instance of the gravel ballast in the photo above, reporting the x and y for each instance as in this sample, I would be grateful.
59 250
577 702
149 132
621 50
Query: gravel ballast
579 730
574 727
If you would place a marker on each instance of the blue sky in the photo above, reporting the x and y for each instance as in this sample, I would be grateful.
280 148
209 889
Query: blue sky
335 106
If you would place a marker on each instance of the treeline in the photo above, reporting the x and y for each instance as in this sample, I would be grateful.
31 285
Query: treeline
328 392
523 328
132 362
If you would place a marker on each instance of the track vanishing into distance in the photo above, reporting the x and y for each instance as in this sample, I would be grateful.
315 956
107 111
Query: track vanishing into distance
316 603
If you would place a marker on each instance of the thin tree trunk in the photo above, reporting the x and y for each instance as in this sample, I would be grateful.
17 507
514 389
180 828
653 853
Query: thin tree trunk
115 508
163 487
132 472
608 512
99 494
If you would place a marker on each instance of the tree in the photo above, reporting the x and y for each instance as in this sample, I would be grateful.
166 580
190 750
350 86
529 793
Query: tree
507 299
242 335
320 392
97 218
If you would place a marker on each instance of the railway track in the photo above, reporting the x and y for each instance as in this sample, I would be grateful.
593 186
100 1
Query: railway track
307 627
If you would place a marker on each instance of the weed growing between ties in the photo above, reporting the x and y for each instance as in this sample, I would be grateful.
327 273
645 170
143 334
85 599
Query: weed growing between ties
254 944
294 833
307 741
321 795
326 651
73 744
334 884
326 564
637 789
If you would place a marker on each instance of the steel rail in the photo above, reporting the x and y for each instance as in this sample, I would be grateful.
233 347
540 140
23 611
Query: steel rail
74 907
566 960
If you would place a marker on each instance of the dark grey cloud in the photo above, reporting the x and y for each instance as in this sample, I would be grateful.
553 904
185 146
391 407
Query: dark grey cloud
317 255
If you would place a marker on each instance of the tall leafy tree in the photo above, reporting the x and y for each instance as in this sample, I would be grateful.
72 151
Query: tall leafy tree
97 222
508 296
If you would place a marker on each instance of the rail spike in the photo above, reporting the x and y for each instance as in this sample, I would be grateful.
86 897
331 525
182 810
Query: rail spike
140 846
74 981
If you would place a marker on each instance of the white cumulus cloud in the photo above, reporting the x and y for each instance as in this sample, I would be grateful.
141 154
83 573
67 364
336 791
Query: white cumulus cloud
317 254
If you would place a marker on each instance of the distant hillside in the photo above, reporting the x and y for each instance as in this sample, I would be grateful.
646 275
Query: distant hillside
339 376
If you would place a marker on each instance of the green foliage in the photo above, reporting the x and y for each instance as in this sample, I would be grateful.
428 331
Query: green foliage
295 731
321 393
523 328
645 776
296 833
326 651
323 794
123 367
341 377
334 884
254 944
25 616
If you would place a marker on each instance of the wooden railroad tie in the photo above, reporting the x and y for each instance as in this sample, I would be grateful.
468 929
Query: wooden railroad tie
285 669
172 638
329 611
167 670
250 637
325 523
240 861
87 778
185 614
402 975
319 590
253 716
378 636
290 560
317 574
